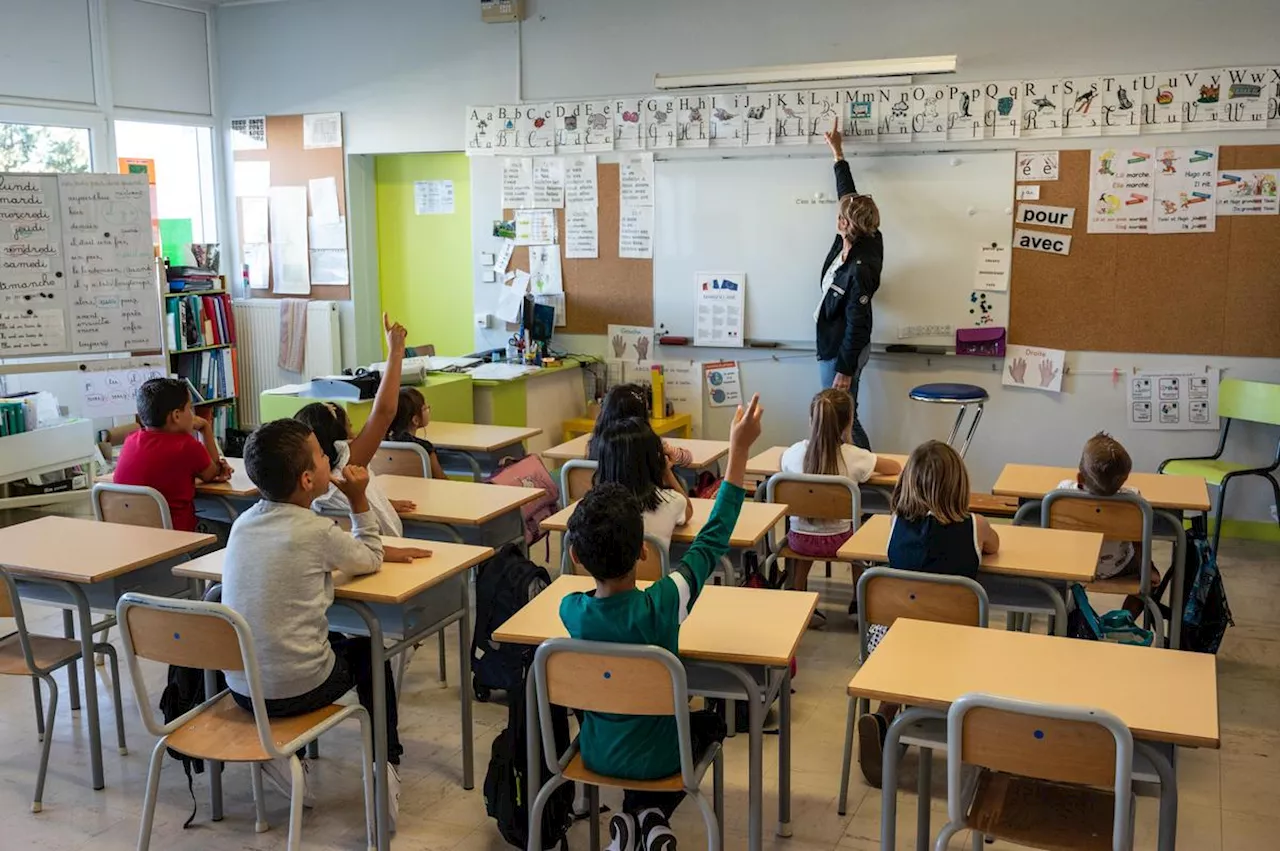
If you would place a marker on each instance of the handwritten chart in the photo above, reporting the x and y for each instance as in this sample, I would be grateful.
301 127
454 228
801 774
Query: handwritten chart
77 270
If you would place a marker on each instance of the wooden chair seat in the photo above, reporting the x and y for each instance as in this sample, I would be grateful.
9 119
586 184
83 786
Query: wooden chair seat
1115 585
787 552
226 732
49 652
993 506
1041 814
577 770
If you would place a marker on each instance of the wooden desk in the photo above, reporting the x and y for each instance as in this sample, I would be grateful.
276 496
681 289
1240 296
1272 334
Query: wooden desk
469 437
769 463
1032 481
91 565
1025 551
455 503
412 600
748 628
704 452
682 423
754 522
240 486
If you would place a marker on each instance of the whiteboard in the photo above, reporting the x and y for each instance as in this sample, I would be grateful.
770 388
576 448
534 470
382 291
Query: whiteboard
77 265
746 215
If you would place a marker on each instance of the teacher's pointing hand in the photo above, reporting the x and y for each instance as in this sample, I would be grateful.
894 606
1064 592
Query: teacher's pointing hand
842 381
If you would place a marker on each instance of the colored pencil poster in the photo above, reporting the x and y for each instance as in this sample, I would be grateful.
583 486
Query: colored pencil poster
1186 190
1120 189
1247 192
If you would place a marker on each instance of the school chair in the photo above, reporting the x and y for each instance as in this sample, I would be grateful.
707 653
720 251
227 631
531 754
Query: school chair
624 679
1046 776
884 595
576 478
654 562
1250 401
130 505
964 395
210 636
25 654
401 459
811 495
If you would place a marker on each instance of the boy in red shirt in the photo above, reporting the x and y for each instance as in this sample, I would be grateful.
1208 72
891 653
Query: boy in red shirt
166 455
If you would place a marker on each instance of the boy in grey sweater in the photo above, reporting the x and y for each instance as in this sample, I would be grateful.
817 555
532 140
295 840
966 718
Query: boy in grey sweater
278 574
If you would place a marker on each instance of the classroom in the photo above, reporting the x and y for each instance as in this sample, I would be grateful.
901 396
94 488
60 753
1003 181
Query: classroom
864 417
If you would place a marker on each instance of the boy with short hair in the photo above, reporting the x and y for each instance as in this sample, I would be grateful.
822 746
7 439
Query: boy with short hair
164 454
278 574
1104 468
607 537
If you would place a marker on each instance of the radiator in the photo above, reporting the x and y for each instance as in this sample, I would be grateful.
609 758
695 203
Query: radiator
258 337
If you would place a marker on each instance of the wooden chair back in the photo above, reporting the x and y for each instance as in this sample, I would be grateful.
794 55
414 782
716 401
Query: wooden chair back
400 461
189 639
597 683
578 481
130 509
1055 749
1117 521
8 605
648 568
811 499
887 598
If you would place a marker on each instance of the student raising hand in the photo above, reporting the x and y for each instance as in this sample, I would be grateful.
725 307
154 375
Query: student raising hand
744 431
396 336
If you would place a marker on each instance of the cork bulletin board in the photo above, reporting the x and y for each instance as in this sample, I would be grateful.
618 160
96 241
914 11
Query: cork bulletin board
609 289
294 165
1213 293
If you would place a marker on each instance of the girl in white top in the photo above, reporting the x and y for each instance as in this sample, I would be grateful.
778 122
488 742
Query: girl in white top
629 453
828 451
335 435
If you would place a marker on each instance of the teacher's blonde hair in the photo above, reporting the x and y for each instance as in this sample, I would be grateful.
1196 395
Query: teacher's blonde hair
862 214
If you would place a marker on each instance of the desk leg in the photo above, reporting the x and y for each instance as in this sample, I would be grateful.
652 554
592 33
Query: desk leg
889 778
1167 837
755 771
784 755
215 768
73 676
1179 577
90 682
532 741
378 657
464 687
924 793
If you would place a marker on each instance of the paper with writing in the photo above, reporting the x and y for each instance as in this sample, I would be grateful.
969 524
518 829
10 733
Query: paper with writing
113 392
324 199
253 220
517 183
635 176
548 182
536 227
432 197
635 232
322 130
290 272
724 389
329 267
544 270
503 256
580 186
257 256
718 305
327 236
581 231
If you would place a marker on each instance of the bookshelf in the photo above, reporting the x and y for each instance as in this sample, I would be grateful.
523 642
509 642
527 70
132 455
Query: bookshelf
200 337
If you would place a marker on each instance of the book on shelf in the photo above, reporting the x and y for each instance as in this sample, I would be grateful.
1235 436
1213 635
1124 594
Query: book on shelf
198 321
211 373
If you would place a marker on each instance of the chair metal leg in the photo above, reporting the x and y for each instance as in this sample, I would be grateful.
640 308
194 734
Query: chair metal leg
717 791
296 792
846 762
106 638
37 803
149 797
117 689
366 771
976 840
731 718
259 800
313 749
828 570
593 819
39 699
973 427
709 819
540 804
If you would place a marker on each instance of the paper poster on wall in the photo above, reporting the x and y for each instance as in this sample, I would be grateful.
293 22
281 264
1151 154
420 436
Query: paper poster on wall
1037 165
1040 214
895 114
535 227
724 389
113 393
1031 366
511 297
254 225
322 130
1121 105
630 343
1243 103
692 118
719 308
32 332
628 124
324 199
433 197
481 130
548 182
660 128
1121 189
683 385
252 178
1083 107
635 179
249 134
544 270
1028 192
1247 192
1043 109
791 111
1173 399
1163 100
290 265
580 180
928 113
329 267
257 257
581 231
1042 240
536 129
1005 98
1185 190
728 120
502 257
635 232
517 183
992 273
598 117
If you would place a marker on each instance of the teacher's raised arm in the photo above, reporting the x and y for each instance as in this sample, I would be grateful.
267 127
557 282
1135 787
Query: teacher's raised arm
850 277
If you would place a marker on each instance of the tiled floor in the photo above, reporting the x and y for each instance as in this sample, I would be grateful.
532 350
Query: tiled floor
1230 799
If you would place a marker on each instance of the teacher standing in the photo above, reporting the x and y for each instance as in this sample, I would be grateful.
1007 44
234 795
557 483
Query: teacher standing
850 277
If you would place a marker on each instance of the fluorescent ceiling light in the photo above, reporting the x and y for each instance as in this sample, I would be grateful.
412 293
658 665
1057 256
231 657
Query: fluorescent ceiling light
818 71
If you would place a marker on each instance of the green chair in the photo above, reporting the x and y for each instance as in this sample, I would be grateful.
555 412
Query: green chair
1252 401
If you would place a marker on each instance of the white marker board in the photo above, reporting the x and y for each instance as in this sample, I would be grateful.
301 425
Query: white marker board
77 266
743 213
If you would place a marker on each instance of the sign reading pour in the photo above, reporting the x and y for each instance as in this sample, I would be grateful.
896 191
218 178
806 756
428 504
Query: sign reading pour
1038 240
1054 217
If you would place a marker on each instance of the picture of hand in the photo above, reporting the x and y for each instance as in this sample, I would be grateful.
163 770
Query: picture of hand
619 345
642 349
1018 370
1035 368
1048 372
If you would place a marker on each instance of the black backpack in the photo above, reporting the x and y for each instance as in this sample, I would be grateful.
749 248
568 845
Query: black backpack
184 692
507 792
504 585
1206 614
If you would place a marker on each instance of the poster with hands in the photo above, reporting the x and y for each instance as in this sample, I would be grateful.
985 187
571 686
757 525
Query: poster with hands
630 343
1039 369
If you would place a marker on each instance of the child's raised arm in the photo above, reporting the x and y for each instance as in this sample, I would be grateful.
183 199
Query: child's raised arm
365 445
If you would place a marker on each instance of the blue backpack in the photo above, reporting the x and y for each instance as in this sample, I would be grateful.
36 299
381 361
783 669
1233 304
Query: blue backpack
1206 614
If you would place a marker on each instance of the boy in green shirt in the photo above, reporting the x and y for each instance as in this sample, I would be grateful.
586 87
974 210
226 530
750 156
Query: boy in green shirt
607 537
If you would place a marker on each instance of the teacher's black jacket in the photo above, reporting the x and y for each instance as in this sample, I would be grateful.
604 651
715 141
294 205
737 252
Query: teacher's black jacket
844 323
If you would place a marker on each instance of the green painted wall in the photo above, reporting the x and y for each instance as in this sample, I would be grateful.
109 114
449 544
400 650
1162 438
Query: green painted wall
424 262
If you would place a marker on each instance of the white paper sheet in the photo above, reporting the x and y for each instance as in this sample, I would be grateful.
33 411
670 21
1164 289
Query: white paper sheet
992 273
1037 165
290 271
635 178
329 267
511 298
635 232
1029 192
1121 188
503 256
433 197
536 227
580 180
724 390
253 220
1247 192
249 134
328 236
1030 366
257 256
113 392
718 308
252 178
1173 399
500 371
544 270
517 183
33 332
322 130
1186 189
581 232
548 182
630 343
683 382
324 199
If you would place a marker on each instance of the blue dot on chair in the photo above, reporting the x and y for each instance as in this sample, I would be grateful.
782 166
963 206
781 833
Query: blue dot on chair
177 636
608 675
1039 734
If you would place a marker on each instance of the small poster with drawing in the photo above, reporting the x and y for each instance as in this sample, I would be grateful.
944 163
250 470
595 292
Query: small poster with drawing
1173 400
1034 367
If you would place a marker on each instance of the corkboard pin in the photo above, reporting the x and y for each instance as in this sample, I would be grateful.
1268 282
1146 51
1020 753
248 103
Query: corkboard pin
1115 376
972 211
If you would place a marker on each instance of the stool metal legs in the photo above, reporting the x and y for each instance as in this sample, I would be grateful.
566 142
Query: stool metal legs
973 427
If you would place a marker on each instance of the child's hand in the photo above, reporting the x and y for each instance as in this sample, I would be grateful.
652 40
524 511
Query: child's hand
224 471
403 506
199 424
403 555
746 425
396 335
352 483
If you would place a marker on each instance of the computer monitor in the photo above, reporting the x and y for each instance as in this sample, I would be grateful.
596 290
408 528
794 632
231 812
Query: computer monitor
544 323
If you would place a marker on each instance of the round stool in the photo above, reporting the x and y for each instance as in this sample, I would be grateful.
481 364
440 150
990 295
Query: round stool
964 395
